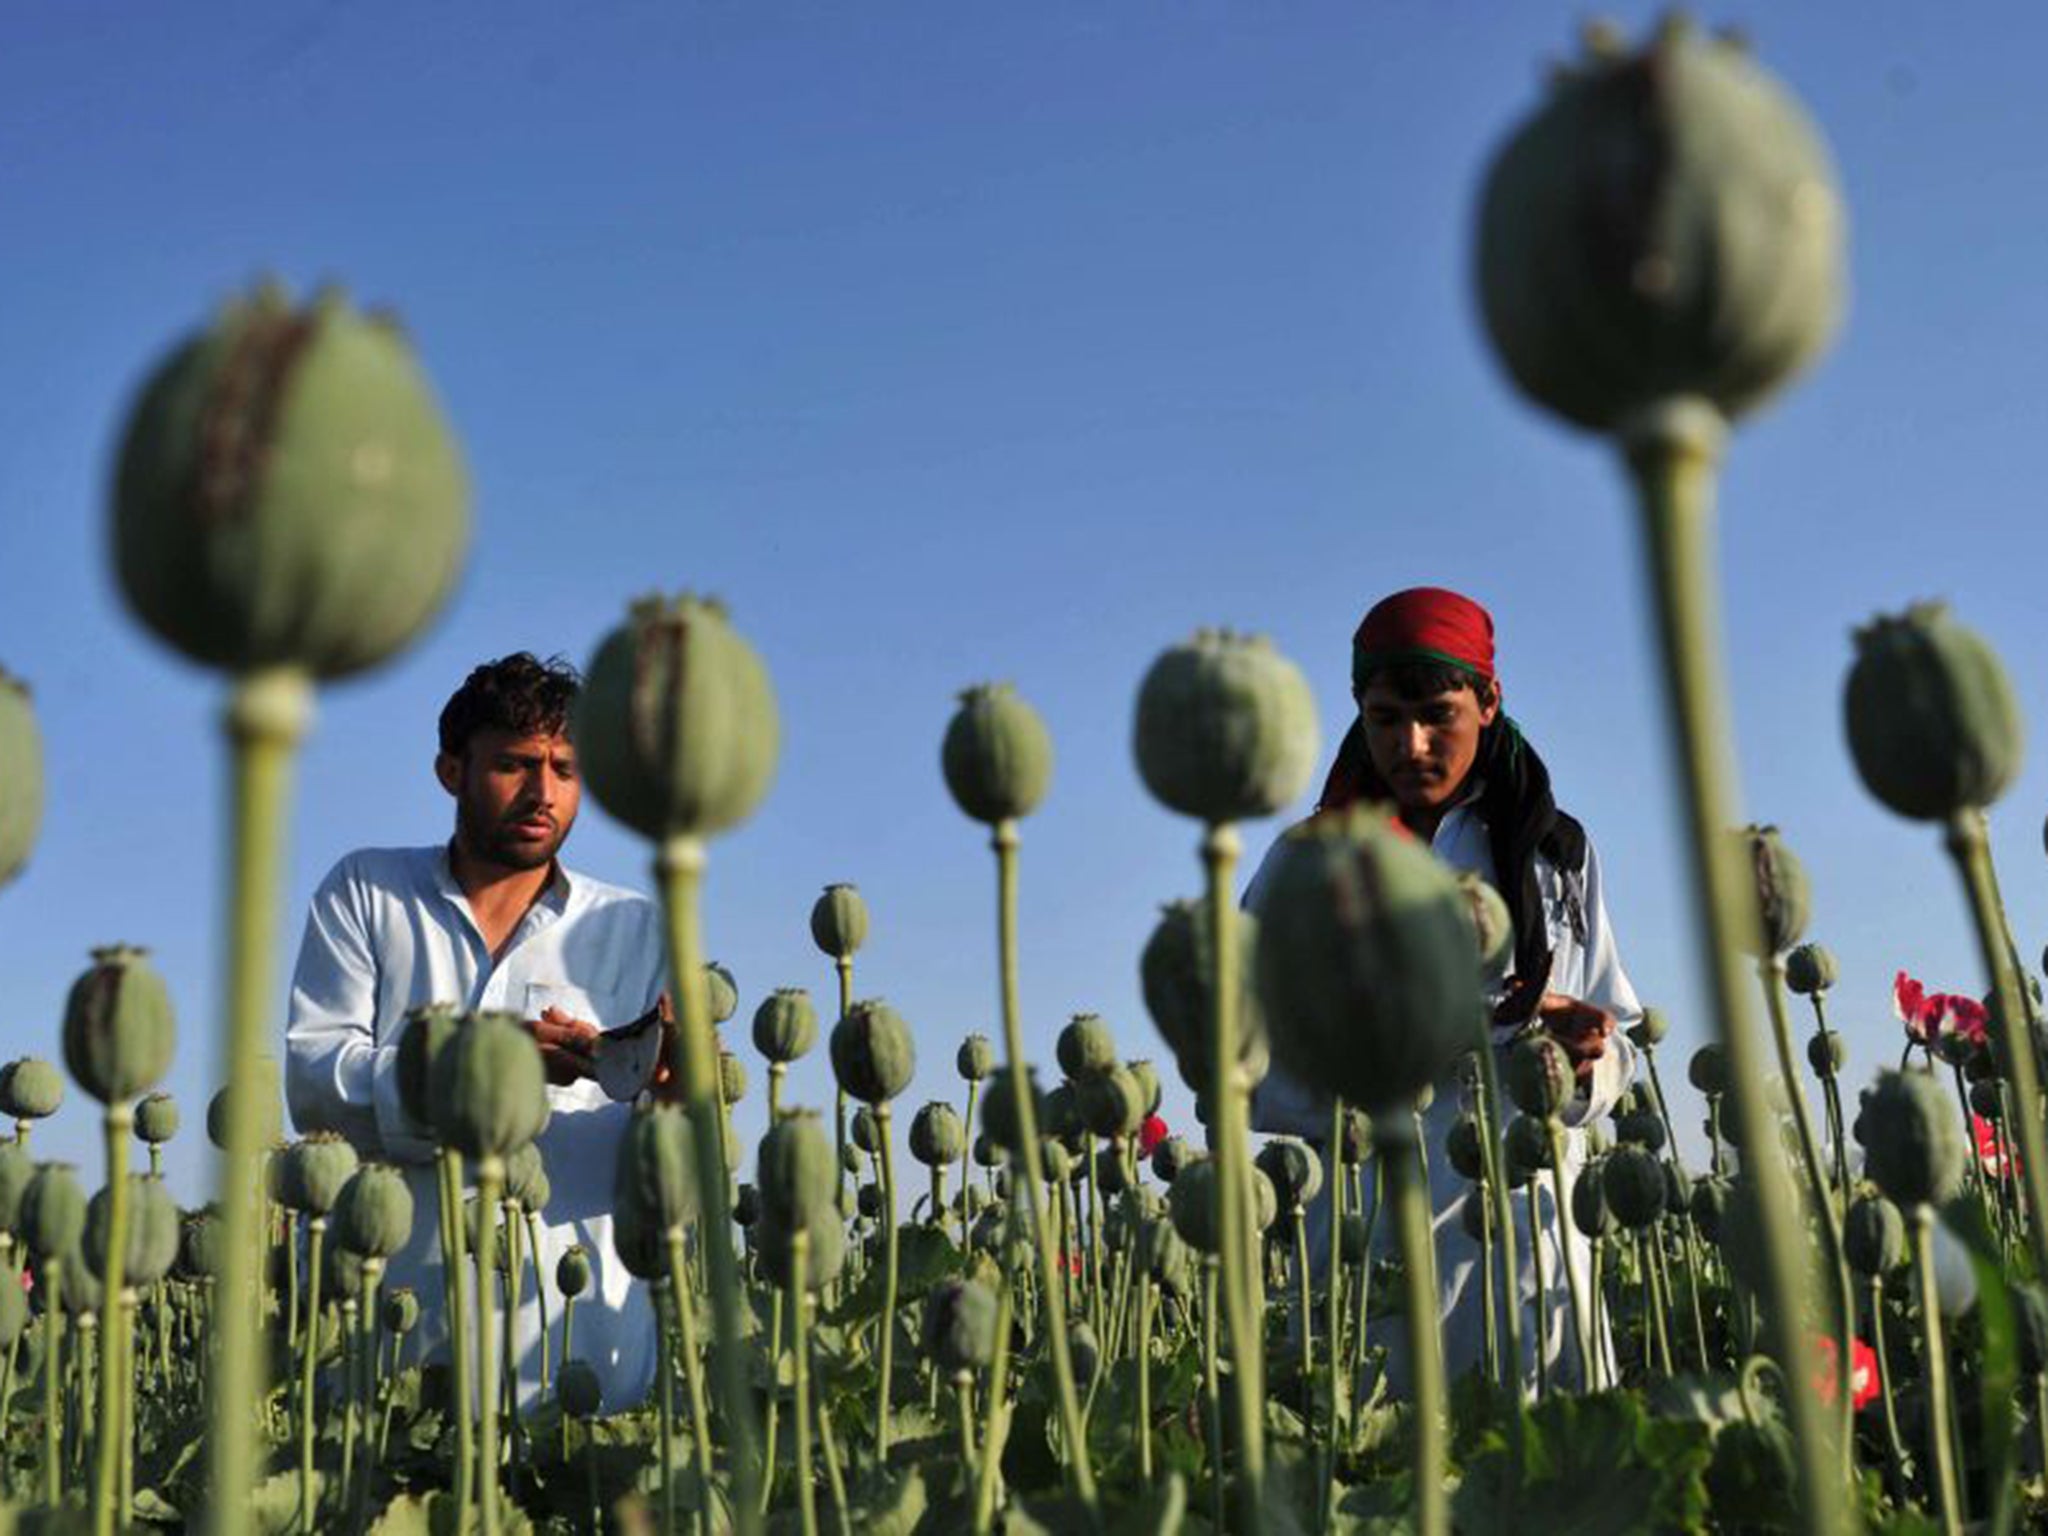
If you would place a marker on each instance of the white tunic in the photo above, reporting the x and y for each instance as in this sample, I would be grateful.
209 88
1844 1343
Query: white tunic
388 930
1584 964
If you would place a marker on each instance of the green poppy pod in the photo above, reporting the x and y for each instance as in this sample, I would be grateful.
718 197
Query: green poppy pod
785 1025
373 1216
960 1326
287 492
1784 896
1149 1089
1665 225
937 1138
13 1313
1708 1071
1913 1149
31 1089
119 1032
1640 1128
1160 1249
1110 1177
986 1153
1294 1169
489 1089
1055 1161
156 1118
1475 1215
269 1110
1633 1182
344 1277
314 1172
1590 1213
1649 1031
1493 929
997 755
976 1058
199 1246
797 1171
839 921
864 1130
580 1390
999 1108
1085 1046
1933 723
526 1179
1539 1076
656 1169
1354 1137
1365 961
1526 1141
1226 728
1175 971
83 1295
639 1239
873 1054
1112 1102
1191 1201
676 727
1825 1053
746 1205
827 1255
572 1270
1171 1156
1354 1237
1084 1352
721 992
21 770
401 1310
1677 1187
1986 1100
1062 1117
151 1244
1810 969
1265 1200
1462 1147
424 1032
16 1169
732 1078
1709 1206
1874 1237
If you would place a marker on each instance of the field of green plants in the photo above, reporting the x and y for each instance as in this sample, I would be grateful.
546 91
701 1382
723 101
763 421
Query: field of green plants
996 1294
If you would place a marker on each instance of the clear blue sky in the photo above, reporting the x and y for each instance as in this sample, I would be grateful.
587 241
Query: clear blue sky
956 342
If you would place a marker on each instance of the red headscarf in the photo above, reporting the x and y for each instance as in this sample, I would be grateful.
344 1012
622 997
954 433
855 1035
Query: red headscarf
1424 624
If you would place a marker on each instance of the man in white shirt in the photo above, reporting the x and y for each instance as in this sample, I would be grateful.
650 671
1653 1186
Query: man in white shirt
1432 740
490 920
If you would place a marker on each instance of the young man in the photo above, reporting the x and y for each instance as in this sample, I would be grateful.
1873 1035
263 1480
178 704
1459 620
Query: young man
1432 741
489 920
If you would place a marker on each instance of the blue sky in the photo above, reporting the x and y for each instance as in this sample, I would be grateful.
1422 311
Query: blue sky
961 342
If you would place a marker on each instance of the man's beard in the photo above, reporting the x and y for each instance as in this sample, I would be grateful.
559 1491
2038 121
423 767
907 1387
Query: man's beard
496 843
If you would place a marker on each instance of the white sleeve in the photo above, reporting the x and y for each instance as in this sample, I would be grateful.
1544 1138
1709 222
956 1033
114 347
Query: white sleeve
338 1077
1606 985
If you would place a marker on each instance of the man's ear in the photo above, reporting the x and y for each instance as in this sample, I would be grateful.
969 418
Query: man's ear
448 769
1489 703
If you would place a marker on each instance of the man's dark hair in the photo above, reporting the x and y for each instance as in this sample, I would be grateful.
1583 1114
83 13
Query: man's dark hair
520 694
1414 681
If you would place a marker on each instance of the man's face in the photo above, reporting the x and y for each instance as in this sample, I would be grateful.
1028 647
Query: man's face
515 797
1424 748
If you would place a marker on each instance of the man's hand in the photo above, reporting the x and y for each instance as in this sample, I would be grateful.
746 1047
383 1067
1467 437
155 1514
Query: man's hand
668 1088
1582 1028
565 1045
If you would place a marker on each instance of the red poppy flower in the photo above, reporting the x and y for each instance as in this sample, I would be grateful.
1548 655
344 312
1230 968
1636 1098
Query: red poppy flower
1999 1162
1864 1384
1965 1016
1150 1134
1920 1013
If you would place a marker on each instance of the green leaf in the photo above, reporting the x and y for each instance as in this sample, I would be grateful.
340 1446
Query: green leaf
1597 1466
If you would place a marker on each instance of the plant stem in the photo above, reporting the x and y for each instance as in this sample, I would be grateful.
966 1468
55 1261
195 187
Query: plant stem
1212 1390
309 1341
774 1377
490 1186
266 716
1561 1213
996 1429
1425 1359
666 1421
1671 451
1948 1499
685 1305
119 1124
52 1277
455 1273
799 1292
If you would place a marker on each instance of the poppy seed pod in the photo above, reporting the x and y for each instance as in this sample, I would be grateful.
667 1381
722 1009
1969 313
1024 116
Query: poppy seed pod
1526 1141
580 1391
1354 1137
1085 1046
199 1246
1709 1206
1171 1156
985 1152
997 755
1175 971
373 1217
52 1212
1640 1128
21 771
839 921
999 1110
797 1171
1874 1237
572 1270
1265 1199
1590 1213
401 1309
1633 1182
873 1054
1784 898
151 1243
1810 969
960 1326
746 1205
16 1169
1365 961
732 1078
1085 1352
1055 1161
976 1058
1913 1150
1191 1201
1493 930
1294 1169
288 493
13 1315
865 1131
785 1025
1226 728
526 1179
119 1032
656 1171
1462 1148
423 1032
1825 1053
1649 1031
1932 721
156 1118
937 1138
315 1171
1147 1077
1112 1103
827 1249
676 727
1708 1071
1666 224
269 1113
1474 1215
30 1089
1539 1076
489 1089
